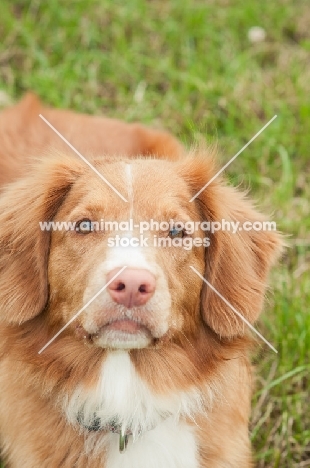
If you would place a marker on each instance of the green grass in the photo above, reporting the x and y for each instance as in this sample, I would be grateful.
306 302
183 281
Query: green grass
189 66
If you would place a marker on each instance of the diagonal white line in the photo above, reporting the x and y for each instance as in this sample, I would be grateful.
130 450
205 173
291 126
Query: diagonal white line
81 310
233 158
83 158
235 310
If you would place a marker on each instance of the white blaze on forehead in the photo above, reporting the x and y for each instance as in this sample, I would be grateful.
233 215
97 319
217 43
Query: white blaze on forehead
129 188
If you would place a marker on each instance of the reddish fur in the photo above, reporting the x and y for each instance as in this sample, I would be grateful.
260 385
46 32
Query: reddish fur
24 135
210 348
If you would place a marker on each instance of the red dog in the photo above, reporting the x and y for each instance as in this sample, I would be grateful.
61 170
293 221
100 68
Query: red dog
157 364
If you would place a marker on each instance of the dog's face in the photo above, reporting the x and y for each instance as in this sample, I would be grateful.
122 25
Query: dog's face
149 300
157 297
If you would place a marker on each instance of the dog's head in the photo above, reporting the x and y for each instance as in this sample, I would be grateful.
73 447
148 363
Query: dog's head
158 295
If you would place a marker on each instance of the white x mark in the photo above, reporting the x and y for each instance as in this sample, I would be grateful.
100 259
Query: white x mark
81 310
235 310
83 158
233 158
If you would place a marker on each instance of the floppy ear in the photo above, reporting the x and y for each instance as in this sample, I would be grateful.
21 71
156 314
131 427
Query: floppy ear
24 247
236 265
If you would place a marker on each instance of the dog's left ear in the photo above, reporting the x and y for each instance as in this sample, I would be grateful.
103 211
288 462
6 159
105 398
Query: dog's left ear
236 264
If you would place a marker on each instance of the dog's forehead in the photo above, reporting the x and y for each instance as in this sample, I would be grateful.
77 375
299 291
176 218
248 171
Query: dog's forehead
146 184
143 174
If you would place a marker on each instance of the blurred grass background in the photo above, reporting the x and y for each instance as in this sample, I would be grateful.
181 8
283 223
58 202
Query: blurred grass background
190 66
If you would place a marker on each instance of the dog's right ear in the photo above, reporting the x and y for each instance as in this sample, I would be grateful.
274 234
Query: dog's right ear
24 247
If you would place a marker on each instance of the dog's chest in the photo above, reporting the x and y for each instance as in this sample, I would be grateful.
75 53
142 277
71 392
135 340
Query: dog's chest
160 437
169 445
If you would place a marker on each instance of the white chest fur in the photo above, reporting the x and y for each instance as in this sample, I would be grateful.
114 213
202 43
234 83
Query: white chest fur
161 439
169 445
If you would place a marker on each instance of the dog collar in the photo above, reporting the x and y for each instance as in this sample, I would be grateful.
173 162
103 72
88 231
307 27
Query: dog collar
116 428
112 426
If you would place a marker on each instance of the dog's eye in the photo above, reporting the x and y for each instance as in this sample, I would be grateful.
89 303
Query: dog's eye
84 226
176 233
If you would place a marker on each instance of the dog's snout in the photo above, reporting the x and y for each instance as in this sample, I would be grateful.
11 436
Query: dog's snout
132 287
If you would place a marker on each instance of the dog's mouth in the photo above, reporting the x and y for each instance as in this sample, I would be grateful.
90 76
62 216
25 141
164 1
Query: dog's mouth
124 326
121 333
